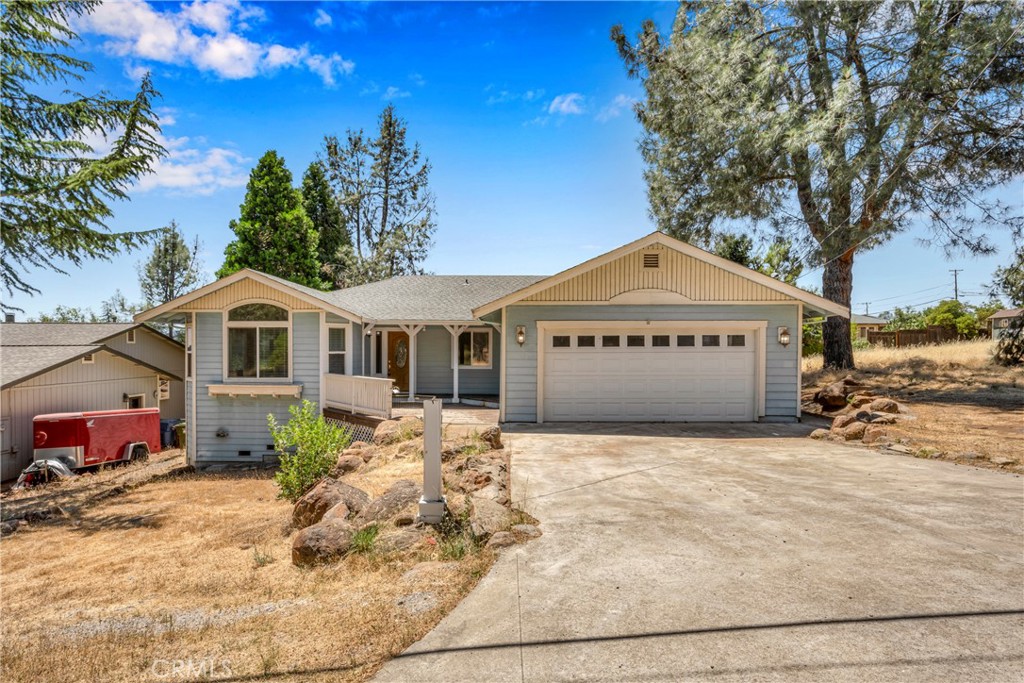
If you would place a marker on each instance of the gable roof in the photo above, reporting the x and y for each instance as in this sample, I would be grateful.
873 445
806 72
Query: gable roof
1006 313
434 298
21 363
858 319
59 334
813 302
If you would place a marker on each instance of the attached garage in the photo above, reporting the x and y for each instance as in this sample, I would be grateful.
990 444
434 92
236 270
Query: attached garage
665 372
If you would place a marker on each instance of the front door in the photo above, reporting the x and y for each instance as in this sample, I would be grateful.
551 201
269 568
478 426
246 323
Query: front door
398 359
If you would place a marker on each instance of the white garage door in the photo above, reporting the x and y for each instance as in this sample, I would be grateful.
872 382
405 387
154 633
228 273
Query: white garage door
665 375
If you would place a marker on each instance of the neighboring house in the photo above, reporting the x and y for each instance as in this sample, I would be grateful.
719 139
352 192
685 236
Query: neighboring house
867 323
657 330
65 367
999 321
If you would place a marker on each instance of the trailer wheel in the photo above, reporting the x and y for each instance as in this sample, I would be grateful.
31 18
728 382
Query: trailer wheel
139 454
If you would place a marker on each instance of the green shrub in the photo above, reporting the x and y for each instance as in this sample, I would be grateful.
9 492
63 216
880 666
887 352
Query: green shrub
308 446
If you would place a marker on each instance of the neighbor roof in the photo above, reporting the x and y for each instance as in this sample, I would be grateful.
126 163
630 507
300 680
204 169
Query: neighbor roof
441 298
1006 313
19 363
867 320
59 334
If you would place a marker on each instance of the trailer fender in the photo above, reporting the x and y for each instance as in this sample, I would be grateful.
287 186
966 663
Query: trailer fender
130 449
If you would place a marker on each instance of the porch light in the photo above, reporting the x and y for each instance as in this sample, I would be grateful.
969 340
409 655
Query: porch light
784 336
520 334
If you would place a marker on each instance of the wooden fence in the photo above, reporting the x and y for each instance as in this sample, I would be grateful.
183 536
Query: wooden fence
934 334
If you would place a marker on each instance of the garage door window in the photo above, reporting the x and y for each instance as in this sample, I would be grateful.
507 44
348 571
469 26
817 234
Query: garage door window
610 340
737 340
634 340
585 341
685 340
560 341
710 340
659 340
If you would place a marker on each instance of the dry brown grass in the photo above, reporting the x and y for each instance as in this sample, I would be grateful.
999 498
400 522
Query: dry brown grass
962 401
197 569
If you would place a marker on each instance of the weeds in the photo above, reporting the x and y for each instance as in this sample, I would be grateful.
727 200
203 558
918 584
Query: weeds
364 540
260 557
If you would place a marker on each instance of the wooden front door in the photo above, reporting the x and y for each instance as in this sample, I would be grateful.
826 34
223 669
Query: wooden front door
398 359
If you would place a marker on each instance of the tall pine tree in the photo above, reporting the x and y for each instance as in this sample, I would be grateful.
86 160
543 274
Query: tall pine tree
333 239
382 187
171 270
55 192
273 233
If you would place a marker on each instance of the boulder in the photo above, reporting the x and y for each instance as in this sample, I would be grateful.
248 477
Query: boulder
387 432
851 382
358 445
492 437
401 495
843 421
853 432
458 505
527 530
368 453
324 542
487 517
820 434
884 405
410 449
322 497
339 511
832 396
883 419
859 400
397 542
873 434
502 539
412 423
405 519
347 464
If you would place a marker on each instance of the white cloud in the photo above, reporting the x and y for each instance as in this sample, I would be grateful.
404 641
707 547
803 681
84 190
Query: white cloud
615 108
370 88
570 103
417 80
207 34
505 96
322 19
394 93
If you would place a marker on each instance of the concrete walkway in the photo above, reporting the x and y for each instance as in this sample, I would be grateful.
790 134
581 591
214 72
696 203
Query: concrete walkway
739 553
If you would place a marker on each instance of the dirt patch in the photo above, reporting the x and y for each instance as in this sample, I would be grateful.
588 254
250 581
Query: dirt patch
964 407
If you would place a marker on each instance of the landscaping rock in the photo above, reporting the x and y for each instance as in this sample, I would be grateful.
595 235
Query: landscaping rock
502 539
487 517
970 455
387 432
883 419
323 542
842 421
884 405
820 434
527 530
851 382
458 505
406 519
325 495
899 448
833 395
873 434
347 464
860 400
853 432
410 449
358 445
339 511
418 603
397 542
492 437
368 453
401 495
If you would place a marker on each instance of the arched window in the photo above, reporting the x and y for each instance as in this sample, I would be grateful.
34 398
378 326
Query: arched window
257 342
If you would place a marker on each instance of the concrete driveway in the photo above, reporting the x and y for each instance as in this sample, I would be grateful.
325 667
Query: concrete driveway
738 553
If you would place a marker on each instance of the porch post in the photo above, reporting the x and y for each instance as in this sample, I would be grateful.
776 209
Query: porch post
412 331
455 331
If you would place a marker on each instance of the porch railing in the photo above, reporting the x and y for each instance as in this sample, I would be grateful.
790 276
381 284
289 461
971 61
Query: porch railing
363 395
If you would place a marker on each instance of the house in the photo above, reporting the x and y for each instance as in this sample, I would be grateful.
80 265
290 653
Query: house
62 367
999 322
863 324
656 330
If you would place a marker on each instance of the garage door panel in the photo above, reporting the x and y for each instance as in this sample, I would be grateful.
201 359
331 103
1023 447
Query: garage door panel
648 383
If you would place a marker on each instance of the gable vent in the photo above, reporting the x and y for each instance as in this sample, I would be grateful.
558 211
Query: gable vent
651 260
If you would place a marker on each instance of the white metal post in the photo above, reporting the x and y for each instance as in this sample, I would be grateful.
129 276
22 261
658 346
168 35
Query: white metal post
432 502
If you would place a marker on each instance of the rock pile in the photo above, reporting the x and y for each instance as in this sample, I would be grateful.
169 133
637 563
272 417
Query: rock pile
858 413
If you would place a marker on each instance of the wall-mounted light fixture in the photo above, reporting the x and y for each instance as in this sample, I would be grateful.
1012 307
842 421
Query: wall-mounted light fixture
784 336
222 433
124 397
520 334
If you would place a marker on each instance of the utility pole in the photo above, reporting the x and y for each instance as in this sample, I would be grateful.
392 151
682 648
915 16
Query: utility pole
866 304
956 288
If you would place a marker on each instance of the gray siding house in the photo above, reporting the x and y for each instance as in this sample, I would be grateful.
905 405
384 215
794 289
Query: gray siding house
68 367
657 330
999 322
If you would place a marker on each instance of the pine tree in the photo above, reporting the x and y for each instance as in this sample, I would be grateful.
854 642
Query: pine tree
382 187
56 193
840 123
274 234
171 270
333 239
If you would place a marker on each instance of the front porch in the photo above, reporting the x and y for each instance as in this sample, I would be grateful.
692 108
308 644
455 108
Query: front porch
378 397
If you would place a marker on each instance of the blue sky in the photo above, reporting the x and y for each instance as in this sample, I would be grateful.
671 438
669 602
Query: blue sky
523 110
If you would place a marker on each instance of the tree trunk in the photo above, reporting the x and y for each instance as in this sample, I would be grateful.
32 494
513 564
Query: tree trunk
837 286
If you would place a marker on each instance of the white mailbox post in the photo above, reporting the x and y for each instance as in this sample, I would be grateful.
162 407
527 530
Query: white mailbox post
432 502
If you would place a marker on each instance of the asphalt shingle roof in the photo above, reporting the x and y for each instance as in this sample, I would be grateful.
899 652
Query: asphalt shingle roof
441 298
21 362
867 320
59 334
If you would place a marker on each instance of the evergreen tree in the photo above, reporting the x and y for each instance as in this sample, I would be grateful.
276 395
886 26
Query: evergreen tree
1009 281
333 239
56 193
171 270
273 233
779 261
839 122
382 187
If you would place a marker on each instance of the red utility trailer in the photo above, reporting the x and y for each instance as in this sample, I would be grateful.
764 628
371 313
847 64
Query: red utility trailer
96 437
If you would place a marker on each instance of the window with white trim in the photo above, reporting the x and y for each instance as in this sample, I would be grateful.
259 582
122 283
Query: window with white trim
475 349
336 349
130 336
88 359
257 342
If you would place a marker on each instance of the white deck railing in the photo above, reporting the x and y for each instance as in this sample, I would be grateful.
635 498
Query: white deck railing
364 395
